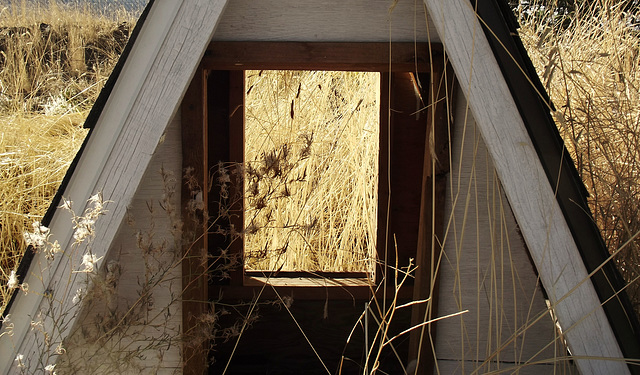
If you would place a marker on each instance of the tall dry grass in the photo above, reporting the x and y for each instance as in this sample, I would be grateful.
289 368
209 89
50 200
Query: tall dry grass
53 63
311 156
589 62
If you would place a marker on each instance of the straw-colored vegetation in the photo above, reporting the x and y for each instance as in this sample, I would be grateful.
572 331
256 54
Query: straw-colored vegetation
312 170
53 63
589 62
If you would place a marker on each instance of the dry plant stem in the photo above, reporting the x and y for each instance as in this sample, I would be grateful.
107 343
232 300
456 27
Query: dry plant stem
244 326
129 329
589 66
386 313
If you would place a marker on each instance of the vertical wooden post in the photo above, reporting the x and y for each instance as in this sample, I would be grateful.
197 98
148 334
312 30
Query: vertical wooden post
194 264
236 156
435 169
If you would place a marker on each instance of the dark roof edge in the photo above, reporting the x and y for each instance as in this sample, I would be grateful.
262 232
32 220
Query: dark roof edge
500 27
98 106
90 122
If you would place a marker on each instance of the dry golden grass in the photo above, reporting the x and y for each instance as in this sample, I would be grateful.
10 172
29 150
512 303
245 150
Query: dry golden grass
53 63
591 69
312 170
35 152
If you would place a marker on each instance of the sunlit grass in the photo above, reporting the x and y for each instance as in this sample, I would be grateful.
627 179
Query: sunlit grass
590 66
53 64
312 170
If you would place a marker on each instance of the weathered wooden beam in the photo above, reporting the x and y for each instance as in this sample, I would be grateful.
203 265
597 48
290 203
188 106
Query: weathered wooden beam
374 57
194 268
525 183
432 208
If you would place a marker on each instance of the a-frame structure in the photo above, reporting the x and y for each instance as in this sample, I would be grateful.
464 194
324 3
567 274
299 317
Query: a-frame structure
139 122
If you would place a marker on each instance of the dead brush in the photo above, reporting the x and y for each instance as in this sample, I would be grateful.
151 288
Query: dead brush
311 170
590 67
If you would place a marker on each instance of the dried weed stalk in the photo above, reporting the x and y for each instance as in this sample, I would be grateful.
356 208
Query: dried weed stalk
589 63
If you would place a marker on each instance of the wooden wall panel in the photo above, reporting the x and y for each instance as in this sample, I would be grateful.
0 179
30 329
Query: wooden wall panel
164 316
486 270
323 21
553 249
143 101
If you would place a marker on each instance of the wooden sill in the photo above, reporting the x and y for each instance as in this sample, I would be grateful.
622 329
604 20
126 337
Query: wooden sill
314 282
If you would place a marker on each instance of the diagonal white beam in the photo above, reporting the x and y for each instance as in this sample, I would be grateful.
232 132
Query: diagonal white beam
532 199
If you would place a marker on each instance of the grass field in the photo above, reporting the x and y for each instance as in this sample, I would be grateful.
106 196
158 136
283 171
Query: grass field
590 65
311 154
53 63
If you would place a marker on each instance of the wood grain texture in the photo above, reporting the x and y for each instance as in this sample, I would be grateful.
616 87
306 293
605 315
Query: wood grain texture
194 276
137 112
324 21
486 270
455 367
537 212
374 57
430 231
275 345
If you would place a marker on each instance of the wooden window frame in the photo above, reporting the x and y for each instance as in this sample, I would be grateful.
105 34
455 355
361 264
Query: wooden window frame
237 57
386 58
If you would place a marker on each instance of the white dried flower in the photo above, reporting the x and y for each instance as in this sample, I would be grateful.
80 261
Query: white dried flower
89 263
13 281
197 202
52 249
81 233
7 324
287 301
37 238
84 225
41 228
49 369
88 222
20 360
78 296
97 201
66 204
36 325
60 350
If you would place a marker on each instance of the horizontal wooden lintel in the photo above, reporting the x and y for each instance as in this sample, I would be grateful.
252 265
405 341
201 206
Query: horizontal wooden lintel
374 57
313 282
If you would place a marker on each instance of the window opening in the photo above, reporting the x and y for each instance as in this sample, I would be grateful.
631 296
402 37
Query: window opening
311 171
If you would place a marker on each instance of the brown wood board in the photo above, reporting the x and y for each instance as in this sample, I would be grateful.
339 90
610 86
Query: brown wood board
194 278
375 57
275 344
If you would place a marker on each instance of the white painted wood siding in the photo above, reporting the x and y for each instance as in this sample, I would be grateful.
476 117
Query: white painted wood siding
536 210
160 337
486 270
324 21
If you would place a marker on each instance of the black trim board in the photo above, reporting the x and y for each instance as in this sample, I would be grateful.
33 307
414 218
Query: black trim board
90 122
534 105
